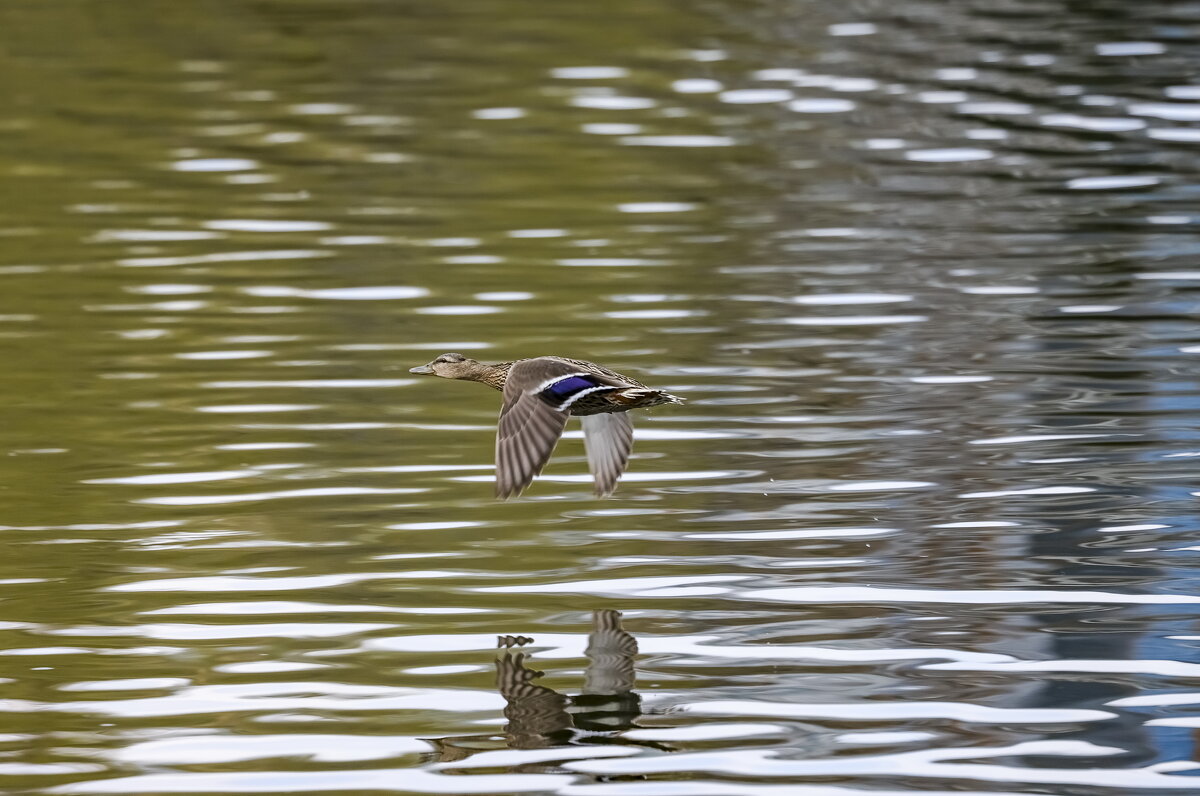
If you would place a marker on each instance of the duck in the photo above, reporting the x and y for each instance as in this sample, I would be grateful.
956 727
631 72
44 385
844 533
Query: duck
540 393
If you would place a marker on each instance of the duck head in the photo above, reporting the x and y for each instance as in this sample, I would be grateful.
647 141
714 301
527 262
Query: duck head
450 366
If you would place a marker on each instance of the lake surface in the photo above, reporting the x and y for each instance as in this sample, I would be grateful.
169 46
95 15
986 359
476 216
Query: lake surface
928 274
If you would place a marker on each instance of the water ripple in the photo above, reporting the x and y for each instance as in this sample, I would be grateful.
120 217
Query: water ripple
924 271
874 595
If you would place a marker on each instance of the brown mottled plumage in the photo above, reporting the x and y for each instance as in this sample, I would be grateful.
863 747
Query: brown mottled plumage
539 395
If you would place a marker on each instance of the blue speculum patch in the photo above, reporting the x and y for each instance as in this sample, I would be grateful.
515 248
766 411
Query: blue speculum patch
564 389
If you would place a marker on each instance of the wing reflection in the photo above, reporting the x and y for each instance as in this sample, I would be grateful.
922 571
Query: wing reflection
608 702
537 715
540 717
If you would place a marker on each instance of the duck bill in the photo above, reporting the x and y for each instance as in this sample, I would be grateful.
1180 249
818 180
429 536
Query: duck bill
422 370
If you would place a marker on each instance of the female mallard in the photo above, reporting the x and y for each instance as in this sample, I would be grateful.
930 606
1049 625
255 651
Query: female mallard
539 395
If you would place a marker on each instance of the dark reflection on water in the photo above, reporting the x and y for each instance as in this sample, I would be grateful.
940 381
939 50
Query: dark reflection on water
925 272
540 717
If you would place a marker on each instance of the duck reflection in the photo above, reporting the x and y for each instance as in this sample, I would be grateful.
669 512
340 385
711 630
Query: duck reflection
540 717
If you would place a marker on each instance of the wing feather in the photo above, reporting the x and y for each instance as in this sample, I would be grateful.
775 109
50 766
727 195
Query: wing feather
529 427
609 439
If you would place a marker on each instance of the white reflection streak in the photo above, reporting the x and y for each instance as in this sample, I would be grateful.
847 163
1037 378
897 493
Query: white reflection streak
263 607
706 732
223 257
387 780
372 293
881 711
1037 490
636 587
854 320
175 478
1163 668
1014 440
182 632
806 533
697 787
208 749
307 696
873 595
508 758
921 763
211 500
240 583
1157 700
338 384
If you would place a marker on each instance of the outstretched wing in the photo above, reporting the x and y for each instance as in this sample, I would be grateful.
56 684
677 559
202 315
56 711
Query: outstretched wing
529 424
609 439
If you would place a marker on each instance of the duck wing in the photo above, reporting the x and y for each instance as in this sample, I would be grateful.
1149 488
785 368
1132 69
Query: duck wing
609 439
530 424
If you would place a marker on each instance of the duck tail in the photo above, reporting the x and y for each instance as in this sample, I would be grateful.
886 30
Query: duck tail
642 397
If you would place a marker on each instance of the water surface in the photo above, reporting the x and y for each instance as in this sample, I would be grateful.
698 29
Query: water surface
925 272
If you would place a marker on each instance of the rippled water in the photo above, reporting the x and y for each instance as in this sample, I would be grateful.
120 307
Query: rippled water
926 273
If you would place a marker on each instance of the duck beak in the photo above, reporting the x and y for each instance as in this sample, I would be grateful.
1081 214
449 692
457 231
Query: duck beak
422 370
